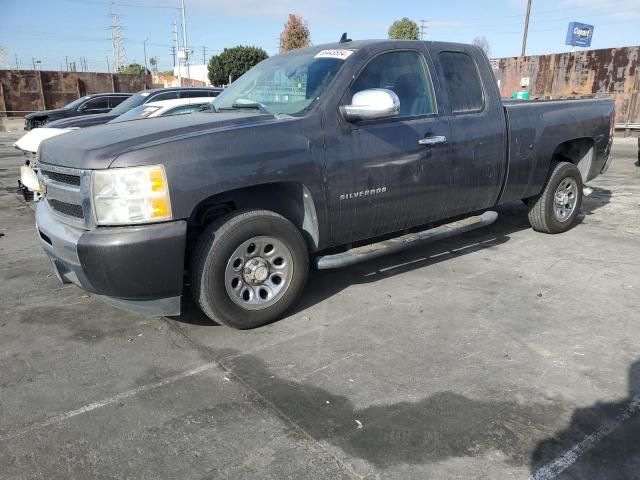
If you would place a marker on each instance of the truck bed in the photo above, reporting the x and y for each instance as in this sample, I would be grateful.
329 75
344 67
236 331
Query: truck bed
539 129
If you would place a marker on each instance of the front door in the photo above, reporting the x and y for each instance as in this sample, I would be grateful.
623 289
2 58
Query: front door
387 175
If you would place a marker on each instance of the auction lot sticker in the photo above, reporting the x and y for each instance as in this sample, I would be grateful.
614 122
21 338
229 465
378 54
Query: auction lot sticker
335 53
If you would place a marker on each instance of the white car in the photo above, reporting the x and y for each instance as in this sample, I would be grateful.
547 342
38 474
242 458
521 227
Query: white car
164 108
29 143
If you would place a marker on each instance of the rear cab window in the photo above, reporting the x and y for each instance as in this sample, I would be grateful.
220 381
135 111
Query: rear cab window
463 84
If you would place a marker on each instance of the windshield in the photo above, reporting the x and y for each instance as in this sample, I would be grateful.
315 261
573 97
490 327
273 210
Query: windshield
284 84
76 103
129 103
137 113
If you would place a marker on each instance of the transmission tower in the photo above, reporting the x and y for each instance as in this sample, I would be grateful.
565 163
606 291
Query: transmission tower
117 41
423 28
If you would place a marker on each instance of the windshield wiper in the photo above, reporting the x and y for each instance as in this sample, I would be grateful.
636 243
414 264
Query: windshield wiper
241 103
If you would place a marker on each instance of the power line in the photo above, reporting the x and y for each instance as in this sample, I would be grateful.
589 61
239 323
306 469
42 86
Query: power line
123 4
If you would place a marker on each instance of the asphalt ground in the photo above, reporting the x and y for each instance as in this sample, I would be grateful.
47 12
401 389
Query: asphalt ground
502 353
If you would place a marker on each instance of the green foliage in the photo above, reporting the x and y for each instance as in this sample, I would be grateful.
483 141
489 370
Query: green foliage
405 29
233 62
133 69
295 34
153 61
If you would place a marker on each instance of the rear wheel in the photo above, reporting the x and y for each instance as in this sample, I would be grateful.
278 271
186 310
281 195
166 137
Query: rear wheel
249 268
556 208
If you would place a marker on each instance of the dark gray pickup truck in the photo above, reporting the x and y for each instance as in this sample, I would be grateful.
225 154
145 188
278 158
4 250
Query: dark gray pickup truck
326 156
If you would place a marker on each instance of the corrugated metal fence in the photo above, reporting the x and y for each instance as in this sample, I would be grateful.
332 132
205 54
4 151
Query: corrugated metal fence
23 91
591 73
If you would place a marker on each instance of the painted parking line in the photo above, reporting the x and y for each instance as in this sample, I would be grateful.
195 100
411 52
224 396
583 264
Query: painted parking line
568 458
108 401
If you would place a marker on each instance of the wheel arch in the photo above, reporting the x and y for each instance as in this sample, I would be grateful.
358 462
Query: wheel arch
579 151
292 200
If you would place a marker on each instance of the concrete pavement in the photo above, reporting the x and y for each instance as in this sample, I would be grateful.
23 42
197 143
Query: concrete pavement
503 353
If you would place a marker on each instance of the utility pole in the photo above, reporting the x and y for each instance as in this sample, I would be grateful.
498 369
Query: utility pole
526 29
108 69
177 49
173 54
144 47
33 60
204 55
186 42
17 62
66 61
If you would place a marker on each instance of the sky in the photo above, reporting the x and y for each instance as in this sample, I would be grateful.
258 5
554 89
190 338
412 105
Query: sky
50 30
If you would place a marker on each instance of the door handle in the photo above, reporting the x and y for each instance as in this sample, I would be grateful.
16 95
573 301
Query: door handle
432 140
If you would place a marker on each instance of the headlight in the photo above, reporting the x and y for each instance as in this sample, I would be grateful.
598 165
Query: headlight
125 196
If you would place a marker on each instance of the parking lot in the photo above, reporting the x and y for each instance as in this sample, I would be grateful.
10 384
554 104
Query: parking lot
502 353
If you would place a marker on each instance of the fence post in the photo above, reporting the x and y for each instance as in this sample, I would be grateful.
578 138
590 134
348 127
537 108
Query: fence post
42 98
3 103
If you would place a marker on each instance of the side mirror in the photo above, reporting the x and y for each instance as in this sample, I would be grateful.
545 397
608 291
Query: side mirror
372 104
83 108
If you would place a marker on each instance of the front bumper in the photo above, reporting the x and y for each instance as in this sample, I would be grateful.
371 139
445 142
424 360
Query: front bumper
139 268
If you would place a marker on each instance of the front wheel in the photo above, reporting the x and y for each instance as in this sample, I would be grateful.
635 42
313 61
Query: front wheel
249 268
556 208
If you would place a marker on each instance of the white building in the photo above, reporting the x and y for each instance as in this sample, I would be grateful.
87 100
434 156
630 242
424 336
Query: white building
196 72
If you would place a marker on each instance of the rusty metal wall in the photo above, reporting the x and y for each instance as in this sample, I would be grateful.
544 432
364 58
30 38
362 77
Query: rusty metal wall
28 90
591 73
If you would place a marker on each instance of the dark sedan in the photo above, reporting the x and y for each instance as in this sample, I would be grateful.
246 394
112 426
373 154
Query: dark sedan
87 105
134 101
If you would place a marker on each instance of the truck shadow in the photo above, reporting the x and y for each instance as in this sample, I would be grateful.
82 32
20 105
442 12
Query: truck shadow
511 218
440 426
323 284
601 441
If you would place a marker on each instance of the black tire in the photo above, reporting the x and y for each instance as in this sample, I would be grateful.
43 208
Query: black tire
213 251
541 207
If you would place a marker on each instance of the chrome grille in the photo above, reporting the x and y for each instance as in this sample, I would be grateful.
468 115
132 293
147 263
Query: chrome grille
67 208
62 177
67 193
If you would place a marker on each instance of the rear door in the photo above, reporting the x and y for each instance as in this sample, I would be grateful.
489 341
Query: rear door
478 129
382 176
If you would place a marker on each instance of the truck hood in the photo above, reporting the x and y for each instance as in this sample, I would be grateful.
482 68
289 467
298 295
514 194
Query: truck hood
47 113
31 140
82 121
98 147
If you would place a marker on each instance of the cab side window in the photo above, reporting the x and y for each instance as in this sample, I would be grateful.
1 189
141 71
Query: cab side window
404 72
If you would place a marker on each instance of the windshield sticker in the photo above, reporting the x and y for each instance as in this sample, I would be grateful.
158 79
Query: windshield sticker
336 53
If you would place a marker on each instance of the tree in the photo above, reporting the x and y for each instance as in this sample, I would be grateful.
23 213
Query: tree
133 69
483 43
153 61
233 62
295 34
405 29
